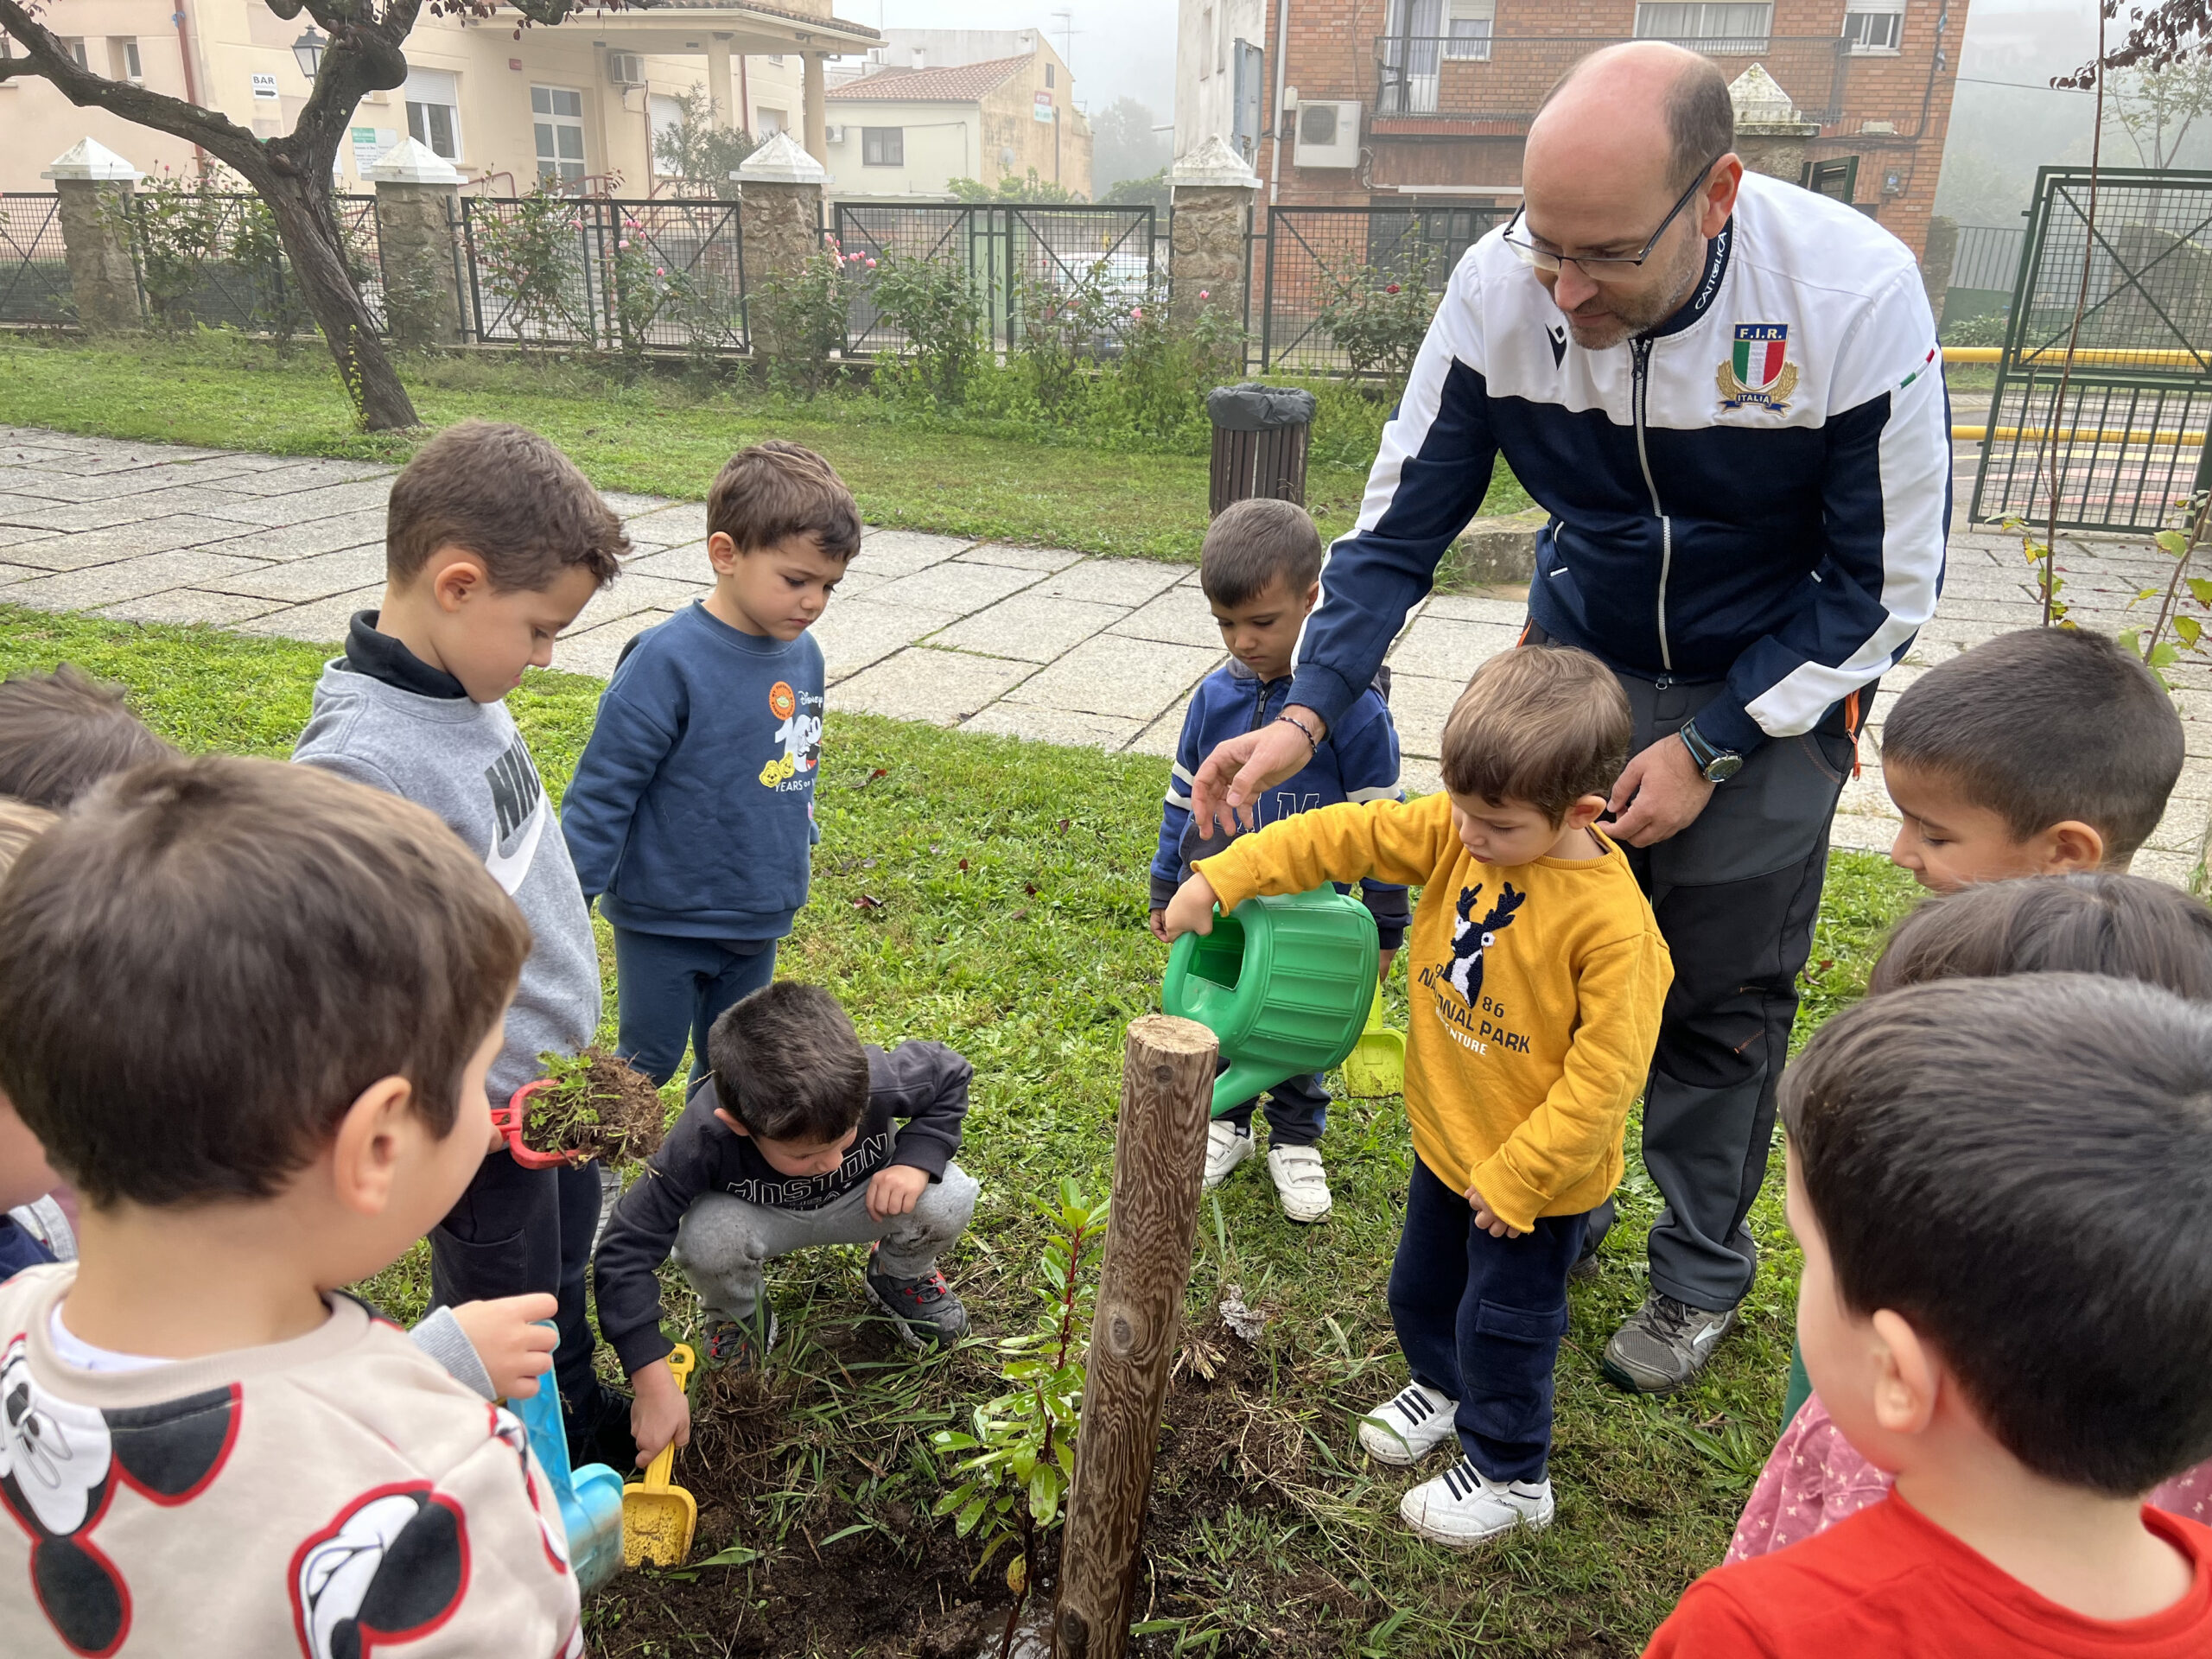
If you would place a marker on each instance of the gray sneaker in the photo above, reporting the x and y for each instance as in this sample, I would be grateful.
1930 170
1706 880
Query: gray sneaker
1663 1345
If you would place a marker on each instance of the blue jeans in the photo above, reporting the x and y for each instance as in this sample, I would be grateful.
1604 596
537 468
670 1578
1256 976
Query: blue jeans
1480 1319
670 990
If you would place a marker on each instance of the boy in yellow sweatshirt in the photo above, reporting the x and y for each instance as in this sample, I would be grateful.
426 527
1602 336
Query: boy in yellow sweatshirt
1537 973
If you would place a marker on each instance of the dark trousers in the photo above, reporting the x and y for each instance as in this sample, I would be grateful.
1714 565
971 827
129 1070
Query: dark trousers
1480 1318
1736 894
518 1231
1298 1109
671 989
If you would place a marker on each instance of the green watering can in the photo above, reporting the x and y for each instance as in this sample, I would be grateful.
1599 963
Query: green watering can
1284 984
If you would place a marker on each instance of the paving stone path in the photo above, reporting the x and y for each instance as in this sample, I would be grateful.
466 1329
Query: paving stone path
1026 642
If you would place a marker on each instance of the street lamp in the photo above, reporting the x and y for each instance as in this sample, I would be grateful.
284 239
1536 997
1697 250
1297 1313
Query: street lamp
308 49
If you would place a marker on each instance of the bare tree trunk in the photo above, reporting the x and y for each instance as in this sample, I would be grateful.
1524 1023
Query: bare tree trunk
306 220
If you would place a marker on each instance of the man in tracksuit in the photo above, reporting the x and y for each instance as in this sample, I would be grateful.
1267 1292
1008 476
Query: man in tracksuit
1726 392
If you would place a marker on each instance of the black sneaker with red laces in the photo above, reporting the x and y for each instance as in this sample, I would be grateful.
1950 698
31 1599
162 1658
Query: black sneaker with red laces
924 1309
741 1345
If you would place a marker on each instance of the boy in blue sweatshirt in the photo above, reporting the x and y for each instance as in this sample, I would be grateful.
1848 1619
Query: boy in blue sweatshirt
1261 568
691 815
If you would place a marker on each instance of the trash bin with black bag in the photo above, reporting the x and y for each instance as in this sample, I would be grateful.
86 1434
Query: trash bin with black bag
1259 435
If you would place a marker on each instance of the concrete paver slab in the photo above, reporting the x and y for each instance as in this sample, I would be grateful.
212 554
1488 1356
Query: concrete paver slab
686 562
298 506
854 633
1028 627
1112 581
1419 704
1060 726
323 622
902 552
630 592
1022 558
1446 650
665 524
51 517
942 687
303 580
594 650
106 584
1177 617
121 542
286 543
190 606
289 477
1161 737
1137 679
960 589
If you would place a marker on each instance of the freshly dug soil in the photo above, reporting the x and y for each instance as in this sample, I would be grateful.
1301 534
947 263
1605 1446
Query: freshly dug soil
601 1109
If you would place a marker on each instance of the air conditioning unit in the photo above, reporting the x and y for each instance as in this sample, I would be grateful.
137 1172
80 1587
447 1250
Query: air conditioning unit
1328 132
625 69
833 134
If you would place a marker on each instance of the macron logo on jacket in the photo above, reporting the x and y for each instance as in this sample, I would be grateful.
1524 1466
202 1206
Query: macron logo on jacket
1757 491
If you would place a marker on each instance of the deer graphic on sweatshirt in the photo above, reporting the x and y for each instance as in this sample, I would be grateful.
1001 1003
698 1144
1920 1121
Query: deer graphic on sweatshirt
1470 938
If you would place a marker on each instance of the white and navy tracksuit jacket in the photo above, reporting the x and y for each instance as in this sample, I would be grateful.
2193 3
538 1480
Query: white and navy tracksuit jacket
1757 491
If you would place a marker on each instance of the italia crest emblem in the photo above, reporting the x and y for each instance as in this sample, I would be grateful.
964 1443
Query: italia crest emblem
1758 374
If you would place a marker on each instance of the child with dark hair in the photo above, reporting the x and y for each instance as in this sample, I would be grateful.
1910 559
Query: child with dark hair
2003 1188
206 1447
691 814
2120 927
2035 753
61 733
800 1135
1538 977
1260 567
29 1217
494 541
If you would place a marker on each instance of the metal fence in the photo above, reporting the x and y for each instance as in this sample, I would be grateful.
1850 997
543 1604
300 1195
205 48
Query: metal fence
212 257
1013 252
34 269
1307 261
1989 256
608 273
2125 440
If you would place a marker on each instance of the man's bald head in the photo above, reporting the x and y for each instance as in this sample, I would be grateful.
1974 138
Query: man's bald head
1640 97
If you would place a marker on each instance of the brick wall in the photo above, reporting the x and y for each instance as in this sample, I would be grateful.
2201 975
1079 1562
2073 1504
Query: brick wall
1482 107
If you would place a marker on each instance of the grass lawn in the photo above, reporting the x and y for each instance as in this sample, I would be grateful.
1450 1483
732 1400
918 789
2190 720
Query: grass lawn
1008 920
996 480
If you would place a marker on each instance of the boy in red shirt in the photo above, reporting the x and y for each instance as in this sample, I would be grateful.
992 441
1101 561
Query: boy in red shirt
2003 1188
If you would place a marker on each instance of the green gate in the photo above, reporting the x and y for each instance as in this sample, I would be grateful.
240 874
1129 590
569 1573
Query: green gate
2122 440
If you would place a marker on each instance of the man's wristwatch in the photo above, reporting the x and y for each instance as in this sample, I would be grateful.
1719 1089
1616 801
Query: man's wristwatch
1718 765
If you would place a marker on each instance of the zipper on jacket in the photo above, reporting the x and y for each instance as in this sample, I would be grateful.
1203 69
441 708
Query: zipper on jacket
1639 396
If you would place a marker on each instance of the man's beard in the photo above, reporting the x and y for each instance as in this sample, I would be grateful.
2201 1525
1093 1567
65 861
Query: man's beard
1628 316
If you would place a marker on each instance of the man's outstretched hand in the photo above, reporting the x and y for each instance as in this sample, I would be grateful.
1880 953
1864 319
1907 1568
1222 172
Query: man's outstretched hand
1229 786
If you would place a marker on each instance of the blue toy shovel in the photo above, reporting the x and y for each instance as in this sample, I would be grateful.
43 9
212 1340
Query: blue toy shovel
1285 984
590 1498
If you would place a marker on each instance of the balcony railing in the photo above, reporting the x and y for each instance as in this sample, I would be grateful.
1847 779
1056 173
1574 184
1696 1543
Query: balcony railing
1493 83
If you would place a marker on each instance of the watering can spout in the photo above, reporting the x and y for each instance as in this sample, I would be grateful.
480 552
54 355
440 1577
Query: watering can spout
1244 1080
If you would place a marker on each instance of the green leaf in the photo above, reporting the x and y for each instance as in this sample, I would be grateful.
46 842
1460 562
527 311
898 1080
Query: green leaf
1045 1487
2187 629
953 1499
735 1556
863 1526
2173 541
965 1522
951 1439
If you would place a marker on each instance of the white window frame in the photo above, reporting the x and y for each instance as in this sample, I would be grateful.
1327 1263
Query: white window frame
557 121
428 89
877 144
1694 22
1467 27
78 52
1865 14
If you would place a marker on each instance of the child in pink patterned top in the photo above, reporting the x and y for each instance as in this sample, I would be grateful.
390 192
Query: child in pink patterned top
2120 926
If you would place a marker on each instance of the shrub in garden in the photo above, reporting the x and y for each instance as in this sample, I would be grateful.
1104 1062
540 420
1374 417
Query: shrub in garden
798 318
1067 329
533 256
933 302
1160 377
1379 318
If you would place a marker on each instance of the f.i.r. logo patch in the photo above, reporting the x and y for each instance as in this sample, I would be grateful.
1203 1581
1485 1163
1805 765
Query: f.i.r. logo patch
1758 373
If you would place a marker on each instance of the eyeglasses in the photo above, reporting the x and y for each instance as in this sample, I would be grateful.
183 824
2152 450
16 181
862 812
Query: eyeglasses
1608 269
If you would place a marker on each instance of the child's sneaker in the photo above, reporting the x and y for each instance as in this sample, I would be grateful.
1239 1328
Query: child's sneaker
1460 1508
1301 1185
1227 1145
740 1344
1408 1428
923 1309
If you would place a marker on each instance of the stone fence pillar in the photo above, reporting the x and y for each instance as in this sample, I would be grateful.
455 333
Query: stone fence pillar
1207 253
780 219
1770 133
93 184
418 198
1937 256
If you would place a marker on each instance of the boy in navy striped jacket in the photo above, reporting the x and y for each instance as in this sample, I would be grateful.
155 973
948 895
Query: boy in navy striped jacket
1261 568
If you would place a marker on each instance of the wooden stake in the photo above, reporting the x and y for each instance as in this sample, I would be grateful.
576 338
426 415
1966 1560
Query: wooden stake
1158 1159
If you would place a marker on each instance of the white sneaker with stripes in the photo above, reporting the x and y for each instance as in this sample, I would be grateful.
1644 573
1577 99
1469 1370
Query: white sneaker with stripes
1462 1507
1407 1427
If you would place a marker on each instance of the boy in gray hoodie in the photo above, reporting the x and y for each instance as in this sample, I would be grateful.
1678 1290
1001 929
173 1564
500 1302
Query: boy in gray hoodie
494 541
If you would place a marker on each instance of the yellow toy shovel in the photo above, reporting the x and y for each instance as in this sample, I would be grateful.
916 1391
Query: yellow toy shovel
659 1519
1376 1064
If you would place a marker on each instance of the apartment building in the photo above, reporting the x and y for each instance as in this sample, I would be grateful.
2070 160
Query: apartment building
1426 102
907 130
578 103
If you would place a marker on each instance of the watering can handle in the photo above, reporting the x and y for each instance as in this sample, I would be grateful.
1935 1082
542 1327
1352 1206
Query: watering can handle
681 1360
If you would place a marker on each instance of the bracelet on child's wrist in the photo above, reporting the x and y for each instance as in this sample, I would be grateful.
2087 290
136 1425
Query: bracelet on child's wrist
1304 730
